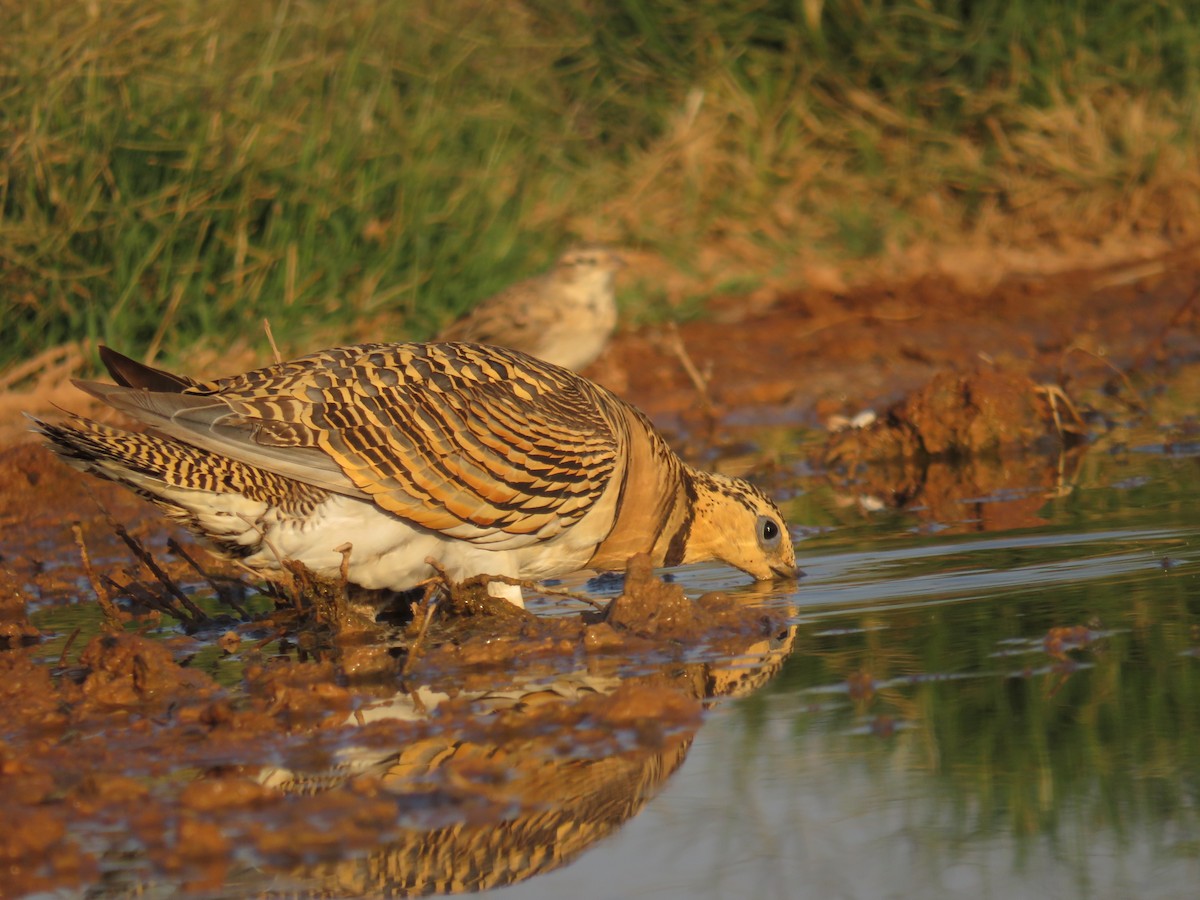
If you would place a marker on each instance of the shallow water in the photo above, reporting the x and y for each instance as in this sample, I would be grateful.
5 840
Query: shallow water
1014 713
994 692
1003 714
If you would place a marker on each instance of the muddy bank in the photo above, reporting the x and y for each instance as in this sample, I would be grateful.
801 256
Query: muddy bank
365 766
808 355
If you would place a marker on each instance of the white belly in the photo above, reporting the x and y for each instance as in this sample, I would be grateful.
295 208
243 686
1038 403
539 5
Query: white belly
386 552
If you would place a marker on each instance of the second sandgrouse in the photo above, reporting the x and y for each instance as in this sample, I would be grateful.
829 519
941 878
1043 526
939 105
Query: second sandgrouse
564 316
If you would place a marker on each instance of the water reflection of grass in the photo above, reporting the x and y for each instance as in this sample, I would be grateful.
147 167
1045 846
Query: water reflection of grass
67 629
1012 726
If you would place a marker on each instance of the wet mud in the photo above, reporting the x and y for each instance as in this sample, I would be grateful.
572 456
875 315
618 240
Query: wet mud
195 732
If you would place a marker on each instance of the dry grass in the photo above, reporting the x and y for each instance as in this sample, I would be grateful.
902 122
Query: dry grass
174 175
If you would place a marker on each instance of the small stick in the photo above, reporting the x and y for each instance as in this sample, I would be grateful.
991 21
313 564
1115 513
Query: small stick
258 645
342 610
549 592
675 342
139 593
112 615
62 657
271 340
1133 401
226 596
429 601
148 561
344 569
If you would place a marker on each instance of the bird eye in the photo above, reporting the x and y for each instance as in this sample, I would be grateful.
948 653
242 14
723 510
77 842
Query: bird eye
769 532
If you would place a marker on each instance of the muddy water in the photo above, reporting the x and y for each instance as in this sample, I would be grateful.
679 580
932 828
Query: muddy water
990 689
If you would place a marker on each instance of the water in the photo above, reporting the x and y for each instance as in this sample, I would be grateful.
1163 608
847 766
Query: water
993 693
933 735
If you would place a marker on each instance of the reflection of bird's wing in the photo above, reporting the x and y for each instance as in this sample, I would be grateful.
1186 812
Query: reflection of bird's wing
475 442
552 805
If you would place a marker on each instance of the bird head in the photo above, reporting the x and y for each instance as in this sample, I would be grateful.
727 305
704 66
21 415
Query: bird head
589 265
736 523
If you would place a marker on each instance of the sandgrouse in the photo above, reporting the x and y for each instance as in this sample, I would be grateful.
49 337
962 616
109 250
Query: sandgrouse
485 459
564 316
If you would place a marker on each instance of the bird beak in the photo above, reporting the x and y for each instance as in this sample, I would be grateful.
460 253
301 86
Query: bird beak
786 571
776 570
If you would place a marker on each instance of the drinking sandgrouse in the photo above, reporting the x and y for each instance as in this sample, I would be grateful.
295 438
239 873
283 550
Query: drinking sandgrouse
564 316
485 459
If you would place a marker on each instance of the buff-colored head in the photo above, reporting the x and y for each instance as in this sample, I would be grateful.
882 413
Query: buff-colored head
738 524
590 266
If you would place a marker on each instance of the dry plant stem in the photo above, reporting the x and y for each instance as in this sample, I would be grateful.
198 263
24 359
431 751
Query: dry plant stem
429 601
62 657
1132 400
1055 395
676 346
271 340
112 615
259 644
342 618
197 614
344 569
289 582
287 586
549 592
226 596
164 323
139 593
433 585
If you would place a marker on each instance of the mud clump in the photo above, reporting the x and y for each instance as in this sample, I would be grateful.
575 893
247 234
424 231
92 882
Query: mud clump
15 628
28 695
958 416
125 670
959 442
473 630
649 607
961 415
657 610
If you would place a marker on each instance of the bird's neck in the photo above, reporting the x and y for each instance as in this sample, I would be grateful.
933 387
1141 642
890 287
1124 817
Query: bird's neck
654 511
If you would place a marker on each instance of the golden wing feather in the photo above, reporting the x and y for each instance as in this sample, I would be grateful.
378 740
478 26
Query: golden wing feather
478 442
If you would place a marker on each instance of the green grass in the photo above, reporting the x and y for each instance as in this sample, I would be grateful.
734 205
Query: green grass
177 172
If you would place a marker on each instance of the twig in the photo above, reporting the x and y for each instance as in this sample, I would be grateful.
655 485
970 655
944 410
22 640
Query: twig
198 615
429 601
293 588
675 343
259 644
1133 401
549 592
342 609
164 323
141 592
1055 394
226 596
344 569
112 615
62 657
271 340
